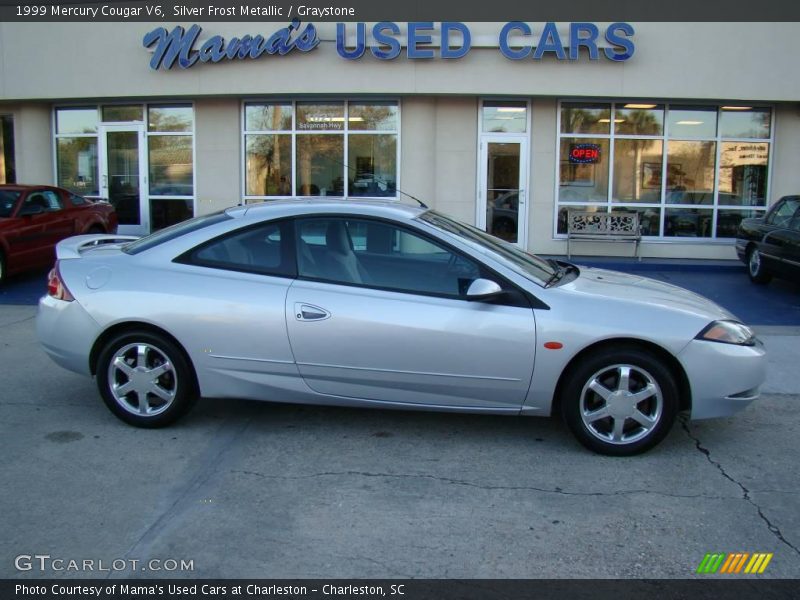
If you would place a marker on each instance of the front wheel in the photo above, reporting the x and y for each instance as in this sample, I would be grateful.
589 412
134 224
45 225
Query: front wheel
145 380
755 267
620 402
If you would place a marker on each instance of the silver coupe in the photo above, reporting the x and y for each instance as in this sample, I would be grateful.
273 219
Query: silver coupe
379 304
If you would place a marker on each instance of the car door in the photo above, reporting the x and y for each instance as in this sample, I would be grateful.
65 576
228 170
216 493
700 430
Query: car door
27 238
378 313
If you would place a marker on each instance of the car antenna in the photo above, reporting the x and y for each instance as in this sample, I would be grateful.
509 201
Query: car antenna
380 180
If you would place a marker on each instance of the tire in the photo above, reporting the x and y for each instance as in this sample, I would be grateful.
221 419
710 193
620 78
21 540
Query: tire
95 230
149 402
3 275
621 425
755 267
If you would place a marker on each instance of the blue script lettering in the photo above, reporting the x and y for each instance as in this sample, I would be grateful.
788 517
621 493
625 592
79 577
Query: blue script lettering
178 45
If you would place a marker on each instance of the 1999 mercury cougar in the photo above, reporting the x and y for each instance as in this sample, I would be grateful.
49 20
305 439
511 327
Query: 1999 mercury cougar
379 304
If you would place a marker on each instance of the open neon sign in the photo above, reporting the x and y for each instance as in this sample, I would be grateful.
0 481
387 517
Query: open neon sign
584 153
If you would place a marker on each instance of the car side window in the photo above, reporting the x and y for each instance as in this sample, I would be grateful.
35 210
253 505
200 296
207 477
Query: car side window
782 215
76 200
381 255
265 249
49 201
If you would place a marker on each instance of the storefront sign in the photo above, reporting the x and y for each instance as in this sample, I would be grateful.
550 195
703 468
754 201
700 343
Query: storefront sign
584 153
516 41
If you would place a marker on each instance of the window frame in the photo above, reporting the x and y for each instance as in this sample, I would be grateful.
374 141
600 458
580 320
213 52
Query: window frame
293 132
513 295
612 136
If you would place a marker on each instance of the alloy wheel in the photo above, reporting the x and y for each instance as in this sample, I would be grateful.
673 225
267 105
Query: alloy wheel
142 379
621 404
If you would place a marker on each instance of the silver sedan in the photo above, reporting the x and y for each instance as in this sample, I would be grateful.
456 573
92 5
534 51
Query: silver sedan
383 305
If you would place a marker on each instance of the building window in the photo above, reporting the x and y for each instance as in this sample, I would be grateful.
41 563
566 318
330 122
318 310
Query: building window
320 148
170 152
165 161
689 171
8 173
76 150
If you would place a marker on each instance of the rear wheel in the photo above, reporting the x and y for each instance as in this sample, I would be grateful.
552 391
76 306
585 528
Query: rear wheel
96 230
145 380
2 268
755 267
620 402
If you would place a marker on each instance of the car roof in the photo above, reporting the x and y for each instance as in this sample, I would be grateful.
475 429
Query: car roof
274 208
22 187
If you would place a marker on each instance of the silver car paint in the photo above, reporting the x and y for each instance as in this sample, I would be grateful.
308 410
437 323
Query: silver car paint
239 329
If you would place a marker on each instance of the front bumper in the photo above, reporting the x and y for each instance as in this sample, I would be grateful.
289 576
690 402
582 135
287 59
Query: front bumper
741 250
724 378
67 333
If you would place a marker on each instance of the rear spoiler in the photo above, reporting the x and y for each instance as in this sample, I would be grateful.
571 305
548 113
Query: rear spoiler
72 247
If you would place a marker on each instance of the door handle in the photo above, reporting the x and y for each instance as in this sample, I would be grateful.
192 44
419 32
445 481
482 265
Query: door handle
309 312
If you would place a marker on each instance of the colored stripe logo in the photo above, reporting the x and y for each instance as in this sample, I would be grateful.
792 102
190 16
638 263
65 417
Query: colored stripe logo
734 563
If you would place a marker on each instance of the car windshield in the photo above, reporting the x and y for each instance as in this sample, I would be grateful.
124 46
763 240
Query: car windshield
7 201
530 264
170 233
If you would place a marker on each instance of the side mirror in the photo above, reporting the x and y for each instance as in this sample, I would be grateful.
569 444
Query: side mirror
483 289
28 210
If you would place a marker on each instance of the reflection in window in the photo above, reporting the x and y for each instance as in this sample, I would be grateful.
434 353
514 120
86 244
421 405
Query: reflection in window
320 160
688 222
692 122
76 120
165 212
728 221
709 171
743 173
373 116
563 213
637 171
8 172
76 158
374 162
309 159
690 172
121 113
504 117
313 116
584 170
269 165
171 168
169 118
585 118
744 122
268 117
639 119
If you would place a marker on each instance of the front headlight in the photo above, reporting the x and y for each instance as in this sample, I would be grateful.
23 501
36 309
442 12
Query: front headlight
728 332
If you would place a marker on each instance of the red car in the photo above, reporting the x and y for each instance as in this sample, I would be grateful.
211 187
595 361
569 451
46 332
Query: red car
34 218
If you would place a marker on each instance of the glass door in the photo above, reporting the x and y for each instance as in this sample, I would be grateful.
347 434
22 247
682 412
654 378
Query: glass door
502 206
123 175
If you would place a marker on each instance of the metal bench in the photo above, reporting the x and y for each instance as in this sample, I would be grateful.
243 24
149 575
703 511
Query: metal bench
602 226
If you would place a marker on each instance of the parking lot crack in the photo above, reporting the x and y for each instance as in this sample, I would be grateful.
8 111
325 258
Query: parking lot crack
774 529
482 486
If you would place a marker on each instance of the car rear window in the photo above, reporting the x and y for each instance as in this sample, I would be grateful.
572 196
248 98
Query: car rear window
7 201
174 231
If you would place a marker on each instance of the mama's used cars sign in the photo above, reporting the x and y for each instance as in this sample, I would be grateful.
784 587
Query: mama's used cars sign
516 40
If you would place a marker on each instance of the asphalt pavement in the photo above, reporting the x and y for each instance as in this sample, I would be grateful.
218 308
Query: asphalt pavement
246 489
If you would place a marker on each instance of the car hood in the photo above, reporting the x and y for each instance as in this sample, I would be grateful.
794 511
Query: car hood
635 289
